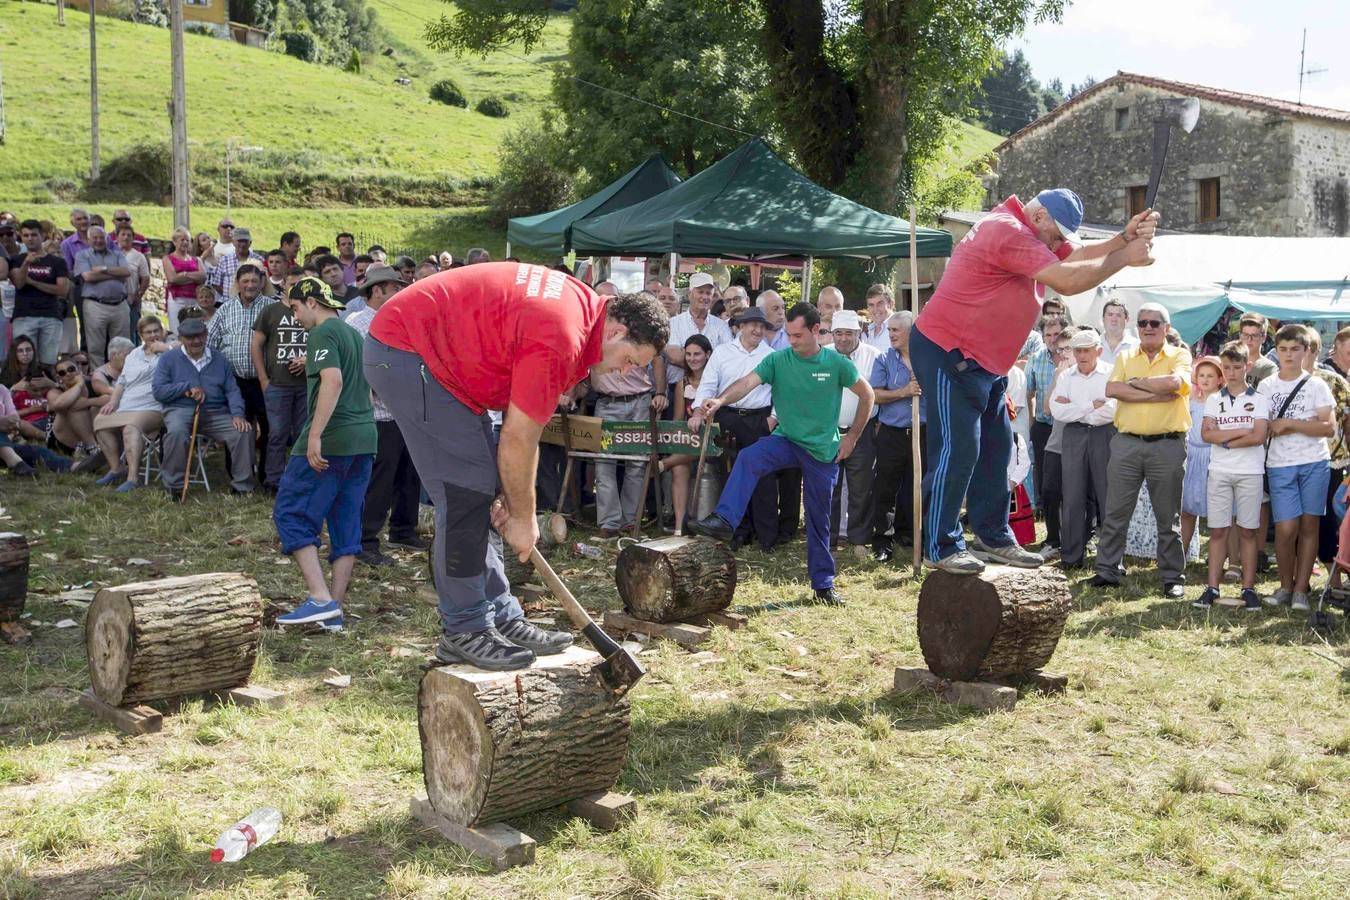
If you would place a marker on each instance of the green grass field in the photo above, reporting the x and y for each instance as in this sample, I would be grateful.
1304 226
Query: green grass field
254 97
1194 754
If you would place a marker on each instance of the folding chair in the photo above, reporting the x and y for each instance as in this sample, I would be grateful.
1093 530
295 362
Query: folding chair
151 461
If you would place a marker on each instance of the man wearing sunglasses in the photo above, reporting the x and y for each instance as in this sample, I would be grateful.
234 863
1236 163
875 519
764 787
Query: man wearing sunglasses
970 333
1150 384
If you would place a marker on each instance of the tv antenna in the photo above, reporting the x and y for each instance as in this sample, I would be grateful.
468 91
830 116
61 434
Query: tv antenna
1303 70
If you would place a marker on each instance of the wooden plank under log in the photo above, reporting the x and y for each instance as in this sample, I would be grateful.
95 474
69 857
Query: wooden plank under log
496 745
155 640
682 633
671 579
1004 621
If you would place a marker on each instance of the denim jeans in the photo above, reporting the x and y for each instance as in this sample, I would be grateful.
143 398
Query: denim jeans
287 409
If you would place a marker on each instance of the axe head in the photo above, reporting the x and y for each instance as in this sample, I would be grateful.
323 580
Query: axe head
1180 112
620 669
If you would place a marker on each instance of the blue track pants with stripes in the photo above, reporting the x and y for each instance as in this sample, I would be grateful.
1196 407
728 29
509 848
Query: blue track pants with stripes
969 444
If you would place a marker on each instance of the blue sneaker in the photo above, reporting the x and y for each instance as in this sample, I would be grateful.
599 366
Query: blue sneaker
111 478
332 625
127 487
311 611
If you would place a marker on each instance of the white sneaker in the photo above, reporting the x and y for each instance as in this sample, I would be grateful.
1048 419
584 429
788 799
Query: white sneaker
1279 598
1300 603
1011 555
1049 552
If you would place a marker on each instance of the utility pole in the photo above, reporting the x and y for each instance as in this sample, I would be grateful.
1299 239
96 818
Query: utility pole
178 115
2 105
93 94
1302 69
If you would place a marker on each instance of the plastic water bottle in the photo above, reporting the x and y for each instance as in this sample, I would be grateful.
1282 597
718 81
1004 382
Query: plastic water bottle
587 550
243 837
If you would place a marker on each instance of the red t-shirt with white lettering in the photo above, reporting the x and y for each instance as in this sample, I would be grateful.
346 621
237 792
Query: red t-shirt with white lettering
987 304
494 334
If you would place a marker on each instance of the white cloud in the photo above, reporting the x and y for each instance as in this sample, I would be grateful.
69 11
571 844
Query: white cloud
1155 24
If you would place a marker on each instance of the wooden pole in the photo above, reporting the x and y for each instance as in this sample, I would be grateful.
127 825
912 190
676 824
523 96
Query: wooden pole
806 278
914 420
178 115
93 94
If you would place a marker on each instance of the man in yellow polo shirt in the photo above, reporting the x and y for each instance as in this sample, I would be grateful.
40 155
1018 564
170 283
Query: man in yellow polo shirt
1150 385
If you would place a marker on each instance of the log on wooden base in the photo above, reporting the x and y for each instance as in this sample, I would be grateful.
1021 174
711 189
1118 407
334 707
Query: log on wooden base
13 577
1003 621
154 640
674 578
496 745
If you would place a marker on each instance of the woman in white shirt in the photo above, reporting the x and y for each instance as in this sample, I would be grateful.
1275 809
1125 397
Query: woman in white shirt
132 414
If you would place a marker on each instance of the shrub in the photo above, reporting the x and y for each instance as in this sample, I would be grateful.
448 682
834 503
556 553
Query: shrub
301 45
140 173
353 62
447 92
491 106
535 173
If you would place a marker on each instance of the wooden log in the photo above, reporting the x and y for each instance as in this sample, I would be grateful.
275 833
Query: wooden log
13 575
1004 621
153 640
674 578
496 745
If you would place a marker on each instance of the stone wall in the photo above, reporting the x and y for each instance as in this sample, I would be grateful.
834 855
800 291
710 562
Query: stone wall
1103 146
1322 179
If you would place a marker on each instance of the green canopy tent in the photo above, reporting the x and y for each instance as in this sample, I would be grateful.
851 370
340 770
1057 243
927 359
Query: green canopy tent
551 231
751 205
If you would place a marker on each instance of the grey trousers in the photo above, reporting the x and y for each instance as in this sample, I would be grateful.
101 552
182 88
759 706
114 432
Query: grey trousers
102 323
287 410
858 472
1084 459
455 453
613 510
1133 462
215 424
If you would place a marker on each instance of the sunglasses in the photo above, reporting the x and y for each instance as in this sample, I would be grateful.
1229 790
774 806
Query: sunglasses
121 218
1150 323
65 371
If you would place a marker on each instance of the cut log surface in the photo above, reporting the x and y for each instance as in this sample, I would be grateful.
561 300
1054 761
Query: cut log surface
672 579
496 745
153 640
13 576
1005 621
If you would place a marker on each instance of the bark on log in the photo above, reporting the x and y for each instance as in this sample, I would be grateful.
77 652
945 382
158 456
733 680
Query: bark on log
13 575
671 579
1005 621
496 745
153 640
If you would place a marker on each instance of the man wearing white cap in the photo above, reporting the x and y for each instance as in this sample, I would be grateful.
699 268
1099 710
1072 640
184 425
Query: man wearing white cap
859 469
1079 401
970 333
696 320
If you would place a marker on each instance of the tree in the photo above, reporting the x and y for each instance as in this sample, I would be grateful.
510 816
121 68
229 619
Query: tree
1009 96
1076 89
860 90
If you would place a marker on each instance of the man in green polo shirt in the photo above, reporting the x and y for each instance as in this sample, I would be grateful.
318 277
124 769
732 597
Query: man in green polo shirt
331 460
807 381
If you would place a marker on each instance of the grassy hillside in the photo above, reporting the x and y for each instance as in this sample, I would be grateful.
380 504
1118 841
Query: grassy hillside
364 123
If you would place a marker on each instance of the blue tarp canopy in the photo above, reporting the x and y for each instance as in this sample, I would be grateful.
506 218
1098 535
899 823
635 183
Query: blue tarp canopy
551 231
1197 277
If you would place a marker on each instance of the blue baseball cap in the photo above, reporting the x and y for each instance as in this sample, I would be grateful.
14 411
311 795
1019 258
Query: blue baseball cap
1066 209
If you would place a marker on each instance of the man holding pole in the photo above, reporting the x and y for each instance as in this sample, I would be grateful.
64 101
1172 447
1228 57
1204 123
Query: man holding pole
495 336
808 381
970 332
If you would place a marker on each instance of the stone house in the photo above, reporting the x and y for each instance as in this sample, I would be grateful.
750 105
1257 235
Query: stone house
1252 166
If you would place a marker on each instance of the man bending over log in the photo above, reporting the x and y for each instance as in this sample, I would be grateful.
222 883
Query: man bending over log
808 381
969 335
496 336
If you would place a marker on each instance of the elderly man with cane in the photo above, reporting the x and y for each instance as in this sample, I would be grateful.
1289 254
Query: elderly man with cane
969 335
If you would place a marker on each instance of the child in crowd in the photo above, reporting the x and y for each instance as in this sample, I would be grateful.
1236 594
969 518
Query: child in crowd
1296 463
1233 424
1206 377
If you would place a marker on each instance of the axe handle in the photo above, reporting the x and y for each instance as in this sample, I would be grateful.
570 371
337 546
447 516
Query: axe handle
602 642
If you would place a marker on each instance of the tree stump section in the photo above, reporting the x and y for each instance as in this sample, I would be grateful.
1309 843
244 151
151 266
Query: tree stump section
674 579
1003 622
497 745
154 640
13 586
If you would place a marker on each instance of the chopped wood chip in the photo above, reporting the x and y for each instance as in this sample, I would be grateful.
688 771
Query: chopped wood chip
799 649
137 561
1223 787
237 540
66 623
53 557
339 681
81 595
790 673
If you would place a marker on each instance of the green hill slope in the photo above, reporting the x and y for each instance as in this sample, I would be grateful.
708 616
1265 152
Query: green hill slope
354 123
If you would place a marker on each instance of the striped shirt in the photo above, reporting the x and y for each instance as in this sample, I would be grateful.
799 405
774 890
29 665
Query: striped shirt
1040 377
231 332
222 279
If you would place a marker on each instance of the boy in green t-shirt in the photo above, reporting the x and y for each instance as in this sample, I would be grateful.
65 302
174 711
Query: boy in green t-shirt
807 382
330 463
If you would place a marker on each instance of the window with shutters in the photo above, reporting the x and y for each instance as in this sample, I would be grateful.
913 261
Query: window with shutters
1209 210
1137 194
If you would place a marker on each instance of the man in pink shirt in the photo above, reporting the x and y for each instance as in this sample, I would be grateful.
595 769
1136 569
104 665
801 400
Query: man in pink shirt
968 337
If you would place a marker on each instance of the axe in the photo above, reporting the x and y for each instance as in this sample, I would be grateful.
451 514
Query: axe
620 669
1177 112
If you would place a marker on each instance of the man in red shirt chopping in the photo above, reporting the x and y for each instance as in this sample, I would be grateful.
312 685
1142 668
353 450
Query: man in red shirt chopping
968 337
497 336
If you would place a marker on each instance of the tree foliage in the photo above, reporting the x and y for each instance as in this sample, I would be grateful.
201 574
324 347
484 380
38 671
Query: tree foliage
529 179
336 27
1009 96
